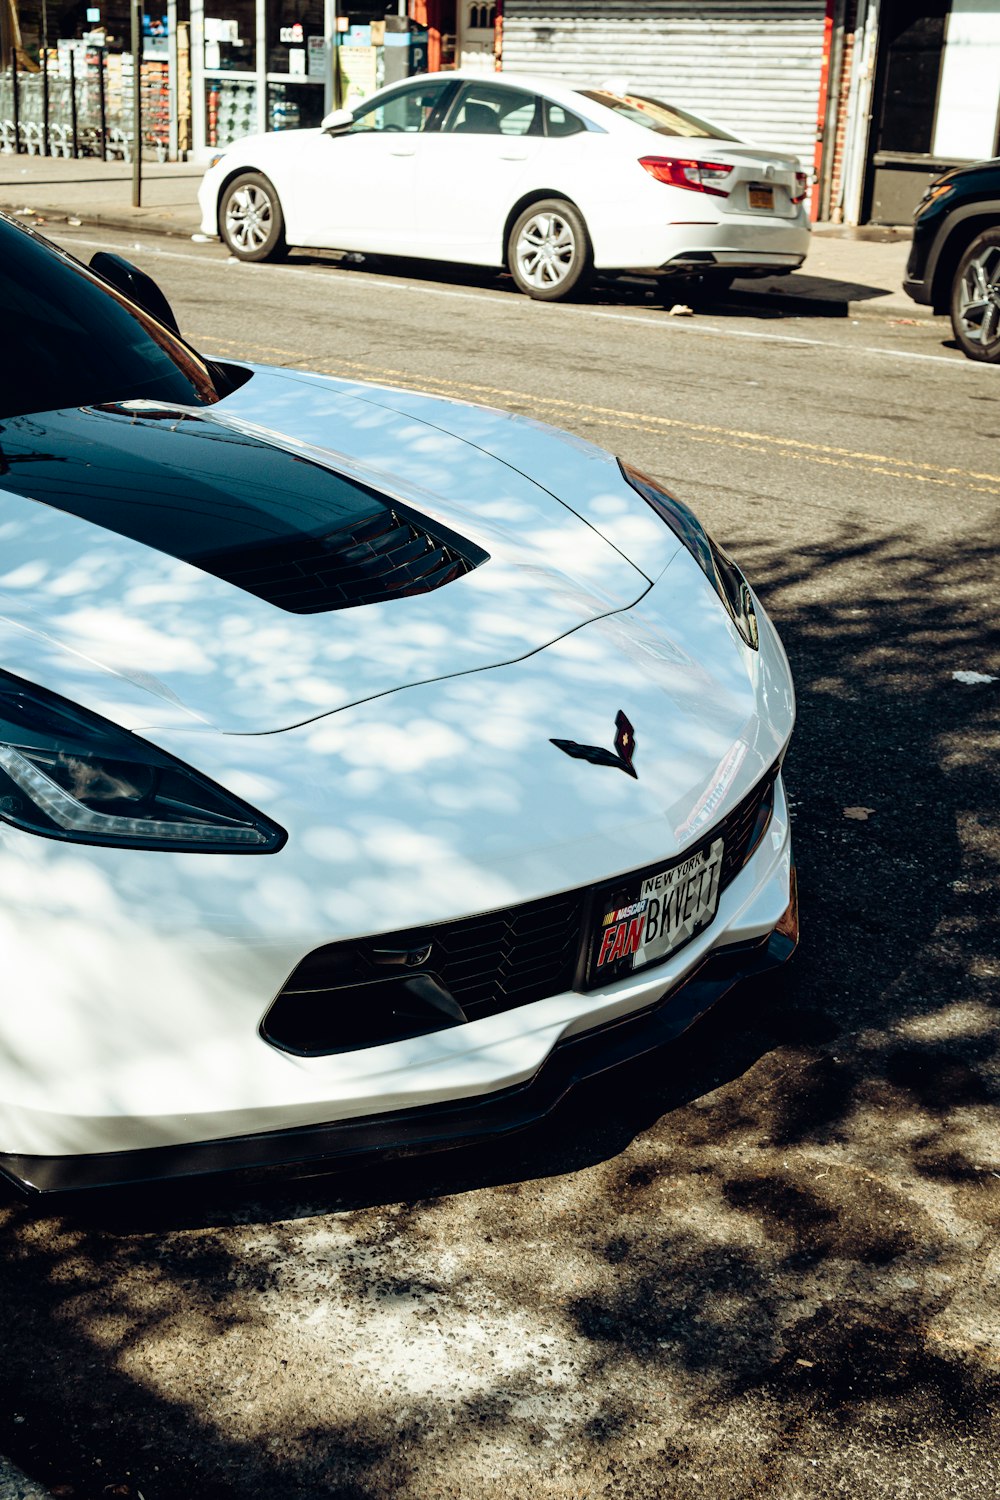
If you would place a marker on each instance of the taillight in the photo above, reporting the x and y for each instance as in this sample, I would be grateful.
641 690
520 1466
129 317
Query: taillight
801 186
699 176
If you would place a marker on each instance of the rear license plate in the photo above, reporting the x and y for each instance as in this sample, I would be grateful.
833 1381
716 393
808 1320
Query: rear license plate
646 919
760 195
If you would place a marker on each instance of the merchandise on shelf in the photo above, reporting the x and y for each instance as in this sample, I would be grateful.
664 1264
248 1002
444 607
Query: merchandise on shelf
231 109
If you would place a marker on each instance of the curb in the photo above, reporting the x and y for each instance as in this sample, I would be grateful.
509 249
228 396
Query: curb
128 225
799 305
789 303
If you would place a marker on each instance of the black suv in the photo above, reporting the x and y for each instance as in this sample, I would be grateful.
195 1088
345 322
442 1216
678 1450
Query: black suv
954 264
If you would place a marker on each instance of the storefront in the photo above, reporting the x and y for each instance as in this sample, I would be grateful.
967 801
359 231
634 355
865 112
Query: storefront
73 89
755 69
258 65
215 70
460 33
929 83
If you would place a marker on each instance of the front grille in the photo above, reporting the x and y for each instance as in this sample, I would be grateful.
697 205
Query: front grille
487 964
511 957
386 555
739 827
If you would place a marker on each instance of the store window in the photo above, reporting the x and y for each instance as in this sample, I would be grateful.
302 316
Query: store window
912 47
230 41
230 81
230 109
294 31
297 64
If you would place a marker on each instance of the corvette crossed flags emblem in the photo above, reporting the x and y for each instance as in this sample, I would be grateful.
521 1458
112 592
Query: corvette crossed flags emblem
621 756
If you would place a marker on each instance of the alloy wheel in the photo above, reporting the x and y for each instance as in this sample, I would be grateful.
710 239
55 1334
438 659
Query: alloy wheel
249 218
546 250
977 304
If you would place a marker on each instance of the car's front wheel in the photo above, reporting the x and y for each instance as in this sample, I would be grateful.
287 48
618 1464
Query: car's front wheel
250 218
549 250
975 299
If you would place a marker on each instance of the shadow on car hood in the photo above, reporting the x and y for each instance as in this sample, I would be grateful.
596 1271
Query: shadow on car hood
128 529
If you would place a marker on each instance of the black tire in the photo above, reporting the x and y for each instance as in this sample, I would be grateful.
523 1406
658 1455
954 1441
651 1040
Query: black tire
250 218
548 250
975 299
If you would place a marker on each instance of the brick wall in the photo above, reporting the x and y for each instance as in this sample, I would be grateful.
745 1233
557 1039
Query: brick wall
836 189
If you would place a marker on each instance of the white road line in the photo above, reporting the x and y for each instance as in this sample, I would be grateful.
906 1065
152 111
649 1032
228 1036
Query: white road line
658 322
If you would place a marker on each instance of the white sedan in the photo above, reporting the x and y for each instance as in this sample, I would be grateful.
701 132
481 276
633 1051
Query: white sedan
549 181
372 766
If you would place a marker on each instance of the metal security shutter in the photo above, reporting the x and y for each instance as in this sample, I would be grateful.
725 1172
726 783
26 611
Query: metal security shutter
751 67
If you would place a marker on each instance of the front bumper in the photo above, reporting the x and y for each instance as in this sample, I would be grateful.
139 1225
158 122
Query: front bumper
489 1077
916 282
436 1127
138 1034
208 202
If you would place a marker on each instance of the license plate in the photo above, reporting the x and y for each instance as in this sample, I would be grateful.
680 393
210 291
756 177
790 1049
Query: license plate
760 195
646 919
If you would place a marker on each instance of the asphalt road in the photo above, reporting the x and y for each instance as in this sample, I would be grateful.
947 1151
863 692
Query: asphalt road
765 1265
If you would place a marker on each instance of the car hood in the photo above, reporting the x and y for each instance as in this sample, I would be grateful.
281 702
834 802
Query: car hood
120 526
974 171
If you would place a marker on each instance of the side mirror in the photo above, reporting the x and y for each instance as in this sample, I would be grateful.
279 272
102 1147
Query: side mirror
136 286
337 121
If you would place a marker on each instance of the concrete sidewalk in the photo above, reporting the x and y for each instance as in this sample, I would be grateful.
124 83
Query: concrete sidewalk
848 273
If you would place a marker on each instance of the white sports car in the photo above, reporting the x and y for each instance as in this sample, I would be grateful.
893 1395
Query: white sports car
372 766
550 181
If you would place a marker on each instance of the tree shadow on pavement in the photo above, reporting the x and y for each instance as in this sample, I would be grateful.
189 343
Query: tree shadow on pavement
763 1262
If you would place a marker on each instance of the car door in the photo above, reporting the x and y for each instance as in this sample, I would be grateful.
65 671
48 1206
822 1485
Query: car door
356 189
474 168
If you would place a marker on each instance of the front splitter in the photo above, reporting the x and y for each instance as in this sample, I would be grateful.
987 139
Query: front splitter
433 1127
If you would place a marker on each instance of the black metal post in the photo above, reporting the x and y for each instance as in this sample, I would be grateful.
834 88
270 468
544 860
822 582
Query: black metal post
16 101
103 102
45 79
72 101
136 103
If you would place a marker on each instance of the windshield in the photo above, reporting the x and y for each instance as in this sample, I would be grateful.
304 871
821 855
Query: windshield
665 119
70 340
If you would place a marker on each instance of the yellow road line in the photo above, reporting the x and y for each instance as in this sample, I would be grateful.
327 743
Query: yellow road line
916 471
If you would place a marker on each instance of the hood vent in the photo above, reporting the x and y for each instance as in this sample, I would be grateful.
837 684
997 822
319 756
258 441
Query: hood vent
388 554
302 536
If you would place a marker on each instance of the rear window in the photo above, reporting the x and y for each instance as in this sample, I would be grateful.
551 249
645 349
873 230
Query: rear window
653 114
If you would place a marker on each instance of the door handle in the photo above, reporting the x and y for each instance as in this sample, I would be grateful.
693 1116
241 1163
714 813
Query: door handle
402 150
513 156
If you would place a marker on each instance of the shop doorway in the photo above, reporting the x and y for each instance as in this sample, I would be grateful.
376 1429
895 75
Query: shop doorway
936 99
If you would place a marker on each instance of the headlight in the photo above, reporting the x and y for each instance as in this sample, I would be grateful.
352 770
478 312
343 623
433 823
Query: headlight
69 774
717 566
934 192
